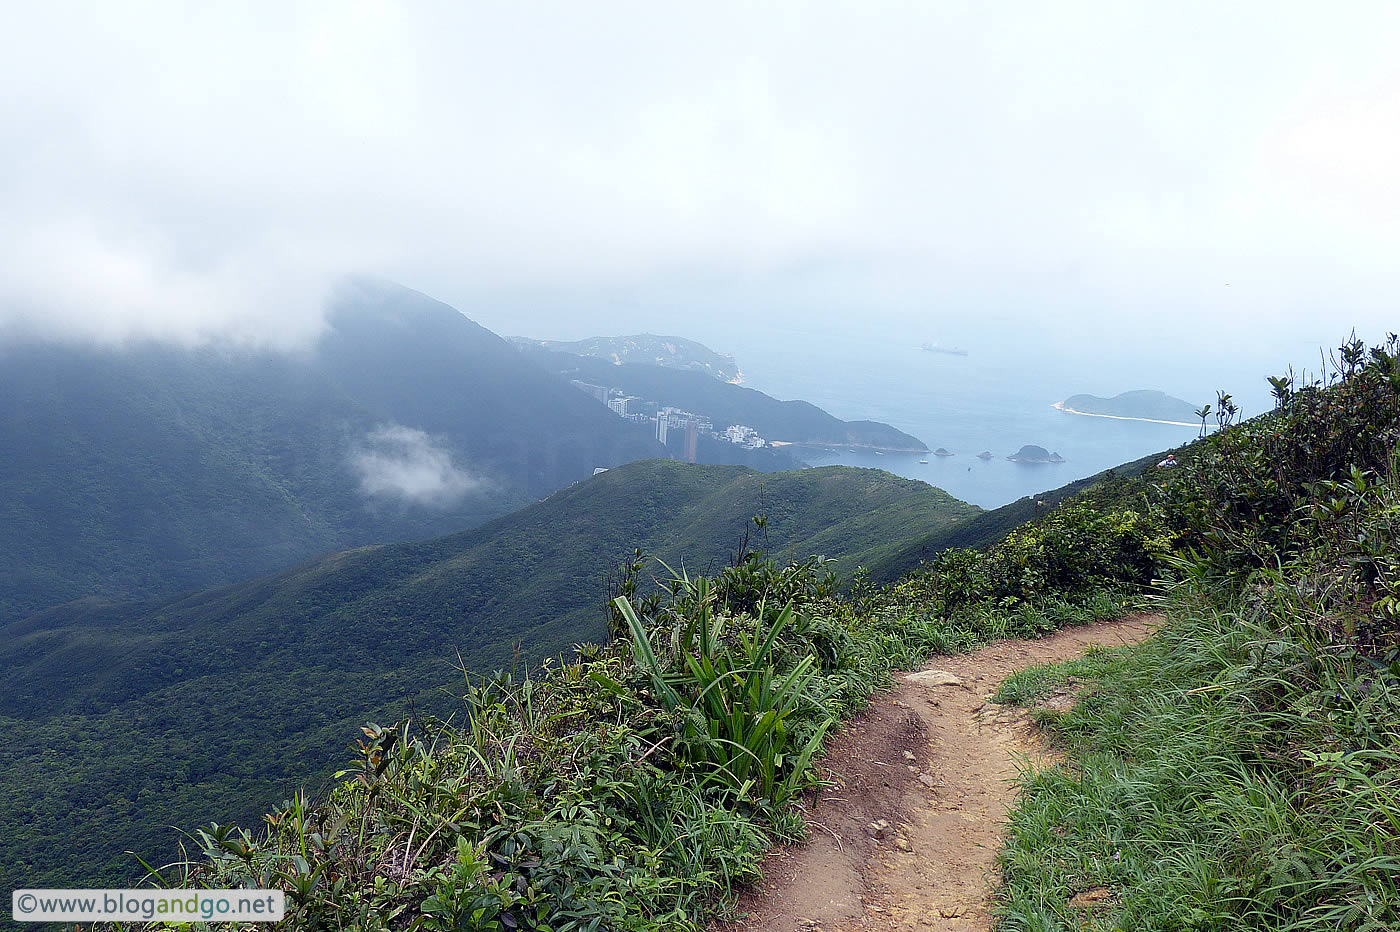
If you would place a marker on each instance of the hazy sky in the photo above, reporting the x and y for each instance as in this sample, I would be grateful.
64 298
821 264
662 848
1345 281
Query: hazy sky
1118 170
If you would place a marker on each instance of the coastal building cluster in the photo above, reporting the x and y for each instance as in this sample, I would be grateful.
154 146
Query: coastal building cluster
675 428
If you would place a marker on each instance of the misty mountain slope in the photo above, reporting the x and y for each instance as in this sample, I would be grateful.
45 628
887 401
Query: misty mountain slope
152 469
419 362
792 421
646 349
359 635
156 469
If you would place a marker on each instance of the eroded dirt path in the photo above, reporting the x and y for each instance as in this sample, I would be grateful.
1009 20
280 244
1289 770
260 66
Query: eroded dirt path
907 837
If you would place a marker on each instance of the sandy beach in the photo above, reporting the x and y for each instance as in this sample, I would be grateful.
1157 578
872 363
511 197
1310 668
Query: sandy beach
1118 417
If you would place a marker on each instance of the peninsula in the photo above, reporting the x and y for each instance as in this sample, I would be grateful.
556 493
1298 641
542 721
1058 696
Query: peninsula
1142 405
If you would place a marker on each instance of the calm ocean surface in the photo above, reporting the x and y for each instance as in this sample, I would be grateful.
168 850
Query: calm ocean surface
983 401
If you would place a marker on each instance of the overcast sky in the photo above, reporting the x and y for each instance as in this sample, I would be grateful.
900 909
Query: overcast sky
198 170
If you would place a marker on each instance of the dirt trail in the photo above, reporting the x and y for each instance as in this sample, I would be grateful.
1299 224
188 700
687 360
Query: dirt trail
935 765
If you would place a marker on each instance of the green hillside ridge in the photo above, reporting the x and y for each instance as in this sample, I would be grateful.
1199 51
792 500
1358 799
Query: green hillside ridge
1239 770
1144 403
789 421
665 821
244 692
646 349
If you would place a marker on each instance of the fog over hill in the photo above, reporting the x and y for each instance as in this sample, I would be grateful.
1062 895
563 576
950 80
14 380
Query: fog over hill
152 468
149 469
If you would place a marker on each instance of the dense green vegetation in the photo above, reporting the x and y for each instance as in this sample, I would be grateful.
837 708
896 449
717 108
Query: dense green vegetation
632 788
1242 769
220 702
1239 770
646 349
150 470
1109 489
1144 403
725 404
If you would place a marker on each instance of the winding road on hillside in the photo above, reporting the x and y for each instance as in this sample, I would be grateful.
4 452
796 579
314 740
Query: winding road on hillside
907 837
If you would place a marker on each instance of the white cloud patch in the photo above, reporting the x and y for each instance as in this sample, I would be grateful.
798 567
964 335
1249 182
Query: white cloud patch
408 465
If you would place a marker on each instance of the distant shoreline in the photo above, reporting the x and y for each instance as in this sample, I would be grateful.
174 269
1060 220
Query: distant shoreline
1060 405
823 445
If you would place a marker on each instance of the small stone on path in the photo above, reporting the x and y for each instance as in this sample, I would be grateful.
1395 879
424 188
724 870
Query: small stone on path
933 678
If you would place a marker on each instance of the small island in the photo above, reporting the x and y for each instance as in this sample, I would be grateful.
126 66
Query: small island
985 455
1030 453
1142 405
942 452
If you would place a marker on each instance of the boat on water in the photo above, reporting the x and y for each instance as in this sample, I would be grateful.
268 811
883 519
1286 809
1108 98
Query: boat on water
923 462
878 453
946 350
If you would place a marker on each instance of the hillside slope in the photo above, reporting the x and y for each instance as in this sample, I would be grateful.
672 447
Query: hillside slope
646 349
152 469
790 421
243 692
1240 769
637 786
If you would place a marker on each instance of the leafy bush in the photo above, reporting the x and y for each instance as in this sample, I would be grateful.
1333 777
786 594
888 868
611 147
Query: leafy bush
1042 573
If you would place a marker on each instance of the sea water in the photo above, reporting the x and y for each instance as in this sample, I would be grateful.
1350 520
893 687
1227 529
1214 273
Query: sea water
994 400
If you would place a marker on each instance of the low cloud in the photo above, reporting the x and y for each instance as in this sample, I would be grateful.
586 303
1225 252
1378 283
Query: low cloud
208 178
407 465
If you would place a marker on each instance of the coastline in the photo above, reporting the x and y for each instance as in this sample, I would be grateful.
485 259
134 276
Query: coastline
823 445
1060 405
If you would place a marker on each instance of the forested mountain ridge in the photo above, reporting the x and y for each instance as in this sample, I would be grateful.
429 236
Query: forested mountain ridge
246 691
152 469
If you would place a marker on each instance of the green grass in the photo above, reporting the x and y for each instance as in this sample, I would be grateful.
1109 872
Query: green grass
1224 775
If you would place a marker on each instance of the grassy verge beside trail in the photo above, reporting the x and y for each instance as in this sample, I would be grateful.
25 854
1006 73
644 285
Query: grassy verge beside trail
1224 775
